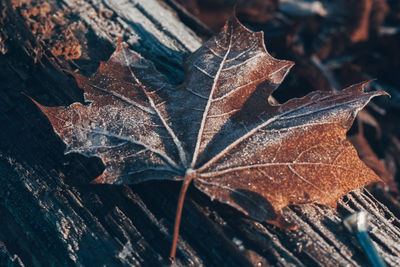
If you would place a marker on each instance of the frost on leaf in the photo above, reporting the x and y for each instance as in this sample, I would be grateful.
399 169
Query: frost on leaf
218 127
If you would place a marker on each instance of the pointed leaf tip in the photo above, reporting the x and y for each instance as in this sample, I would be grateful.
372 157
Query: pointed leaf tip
98 180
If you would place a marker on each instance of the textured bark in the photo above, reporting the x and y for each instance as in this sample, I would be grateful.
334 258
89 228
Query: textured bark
51 215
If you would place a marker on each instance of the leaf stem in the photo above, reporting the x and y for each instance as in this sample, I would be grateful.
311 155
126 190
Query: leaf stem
189 176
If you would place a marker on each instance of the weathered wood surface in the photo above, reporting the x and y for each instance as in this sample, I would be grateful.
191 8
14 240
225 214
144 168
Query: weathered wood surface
51 216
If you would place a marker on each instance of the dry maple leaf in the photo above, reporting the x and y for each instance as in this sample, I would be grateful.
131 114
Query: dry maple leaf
218 128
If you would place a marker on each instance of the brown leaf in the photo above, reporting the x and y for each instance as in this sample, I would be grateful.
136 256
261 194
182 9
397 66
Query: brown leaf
218 128
214 13
360 20
368 156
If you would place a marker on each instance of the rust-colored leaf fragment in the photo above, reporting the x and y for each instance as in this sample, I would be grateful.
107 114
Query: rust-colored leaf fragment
218 128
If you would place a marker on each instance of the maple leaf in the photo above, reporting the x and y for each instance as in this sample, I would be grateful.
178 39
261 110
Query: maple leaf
218 128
